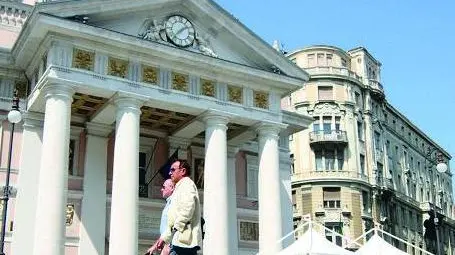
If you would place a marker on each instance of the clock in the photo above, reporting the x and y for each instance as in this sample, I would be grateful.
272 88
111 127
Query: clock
179 31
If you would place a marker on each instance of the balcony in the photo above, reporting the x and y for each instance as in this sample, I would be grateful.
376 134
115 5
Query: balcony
332 70
329 175
332 136
376 88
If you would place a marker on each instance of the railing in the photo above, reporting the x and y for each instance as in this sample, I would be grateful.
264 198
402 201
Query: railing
328 136
349 175
14 14
374 84
333 70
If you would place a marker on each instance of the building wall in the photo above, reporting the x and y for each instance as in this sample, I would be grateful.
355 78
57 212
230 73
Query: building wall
364 146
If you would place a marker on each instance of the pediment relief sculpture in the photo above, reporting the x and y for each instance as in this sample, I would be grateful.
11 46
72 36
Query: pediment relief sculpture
178 31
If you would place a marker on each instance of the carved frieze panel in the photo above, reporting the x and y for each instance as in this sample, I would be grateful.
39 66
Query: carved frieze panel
261 99
235 94
207 88
117 67
248 231
83 59
180 81
150 75
326 109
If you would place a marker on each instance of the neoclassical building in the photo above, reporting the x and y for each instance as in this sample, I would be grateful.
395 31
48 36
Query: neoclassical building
109 90
362 162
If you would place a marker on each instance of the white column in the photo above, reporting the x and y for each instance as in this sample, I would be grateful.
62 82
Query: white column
285 190
27 184
93 215
53 176
123 237
270 215
232 206
216 198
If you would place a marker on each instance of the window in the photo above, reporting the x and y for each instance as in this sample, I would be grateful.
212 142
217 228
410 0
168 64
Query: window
387 147
357 99
360 130
365 202
329 59
344 63
252 176
325 93
143 190
340 158
327 125
331 236
311 60
386 120
377 141
362 164
331 197
320 59
329 160
337 123
318 155
316 126
294 203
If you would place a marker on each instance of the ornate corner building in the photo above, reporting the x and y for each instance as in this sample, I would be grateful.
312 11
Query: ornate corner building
362 162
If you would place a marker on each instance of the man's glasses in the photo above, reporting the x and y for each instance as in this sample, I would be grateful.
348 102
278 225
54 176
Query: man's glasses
174 169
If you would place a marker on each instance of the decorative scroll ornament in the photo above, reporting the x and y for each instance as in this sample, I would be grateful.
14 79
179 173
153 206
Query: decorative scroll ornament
235 94
156 31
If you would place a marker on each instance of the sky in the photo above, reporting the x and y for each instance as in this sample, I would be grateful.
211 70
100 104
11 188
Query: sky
413 39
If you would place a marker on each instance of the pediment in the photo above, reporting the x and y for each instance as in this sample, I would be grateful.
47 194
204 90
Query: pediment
216 33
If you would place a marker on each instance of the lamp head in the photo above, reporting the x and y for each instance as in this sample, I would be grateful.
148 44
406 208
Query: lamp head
14 116
441 167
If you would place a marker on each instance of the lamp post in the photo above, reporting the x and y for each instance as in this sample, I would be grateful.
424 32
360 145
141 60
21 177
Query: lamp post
14 116
441 167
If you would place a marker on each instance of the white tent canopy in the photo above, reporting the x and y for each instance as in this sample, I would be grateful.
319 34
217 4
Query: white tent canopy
377 245
314 243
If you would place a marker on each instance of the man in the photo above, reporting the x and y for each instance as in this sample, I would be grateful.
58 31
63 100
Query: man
166 192
183 230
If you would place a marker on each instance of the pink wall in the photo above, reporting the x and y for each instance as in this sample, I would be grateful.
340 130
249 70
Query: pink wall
81 156
240 175
7 38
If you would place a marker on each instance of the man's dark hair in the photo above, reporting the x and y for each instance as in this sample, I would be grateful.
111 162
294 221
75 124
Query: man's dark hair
184 164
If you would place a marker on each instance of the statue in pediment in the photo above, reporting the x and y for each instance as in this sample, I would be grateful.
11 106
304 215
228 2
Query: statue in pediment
154 32
204 47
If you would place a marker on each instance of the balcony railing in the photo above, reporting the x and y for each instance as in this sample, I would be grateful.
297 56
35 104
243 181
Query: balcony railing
334 136
324 175
376 85
333 70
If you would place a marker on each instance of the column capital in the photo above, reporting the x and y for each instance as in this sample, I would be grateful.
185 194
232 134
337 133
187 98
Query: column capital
125 102
270 129
215 118
59 90
97 129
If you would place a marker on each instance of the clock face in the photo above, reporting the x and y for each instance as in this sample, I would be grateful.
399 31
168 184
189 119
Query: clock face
180 31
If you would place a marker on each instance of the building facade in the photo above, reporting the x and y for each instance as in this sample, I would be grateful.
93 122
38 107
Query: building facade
109 90
362 162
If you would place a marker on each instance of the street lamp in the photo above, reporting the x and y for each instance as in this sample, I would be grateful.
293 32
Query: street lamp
14 116
441 167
